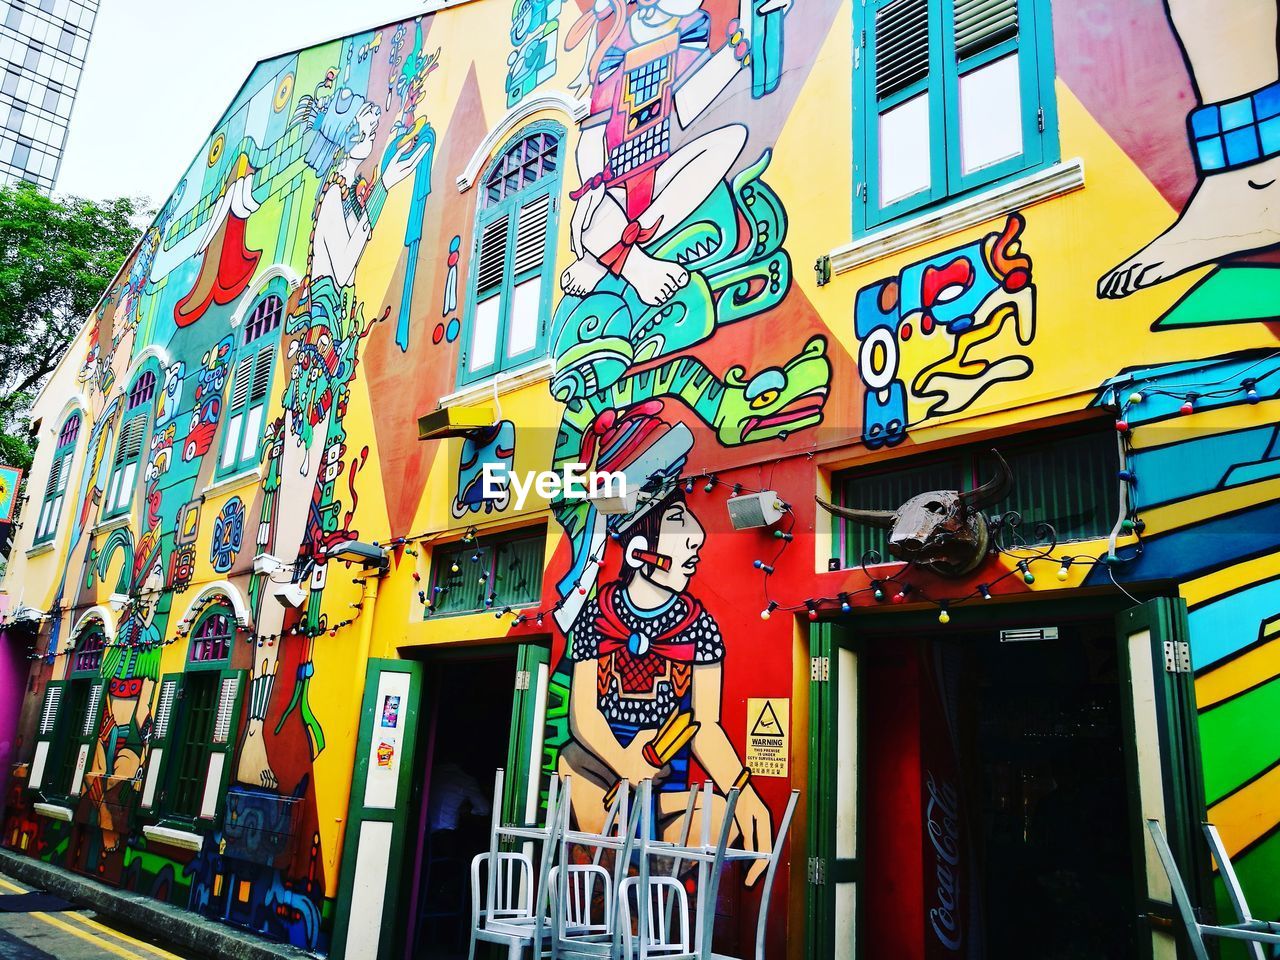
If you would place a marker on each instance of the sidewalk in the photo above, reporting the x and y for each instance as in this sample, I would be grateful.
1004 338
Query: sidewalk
186 933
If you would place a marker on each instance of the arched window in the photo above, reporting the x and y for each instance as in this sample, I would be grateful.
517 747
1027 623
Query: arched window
211 639
197 723
251 387
83 711
55 488
512 255
133 433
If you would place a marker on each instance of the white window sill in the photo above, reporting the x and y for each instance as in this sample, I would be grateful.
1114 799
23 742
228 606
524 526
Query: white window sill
505 382
183 839
1054 181
233 482
106 526
53 811
41 548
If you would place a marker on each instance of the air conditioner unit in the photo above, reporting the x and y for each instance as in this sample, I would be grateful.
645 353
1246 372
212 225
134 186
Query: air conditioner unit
752 510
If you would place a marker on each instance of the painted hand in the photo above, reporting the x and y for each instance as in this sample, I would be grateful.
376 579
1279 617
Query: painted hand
634 767
752 818
403 164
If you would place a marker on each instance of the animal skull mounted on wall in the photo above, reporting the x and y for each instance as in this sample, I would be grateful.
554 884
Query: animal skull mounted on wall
943 530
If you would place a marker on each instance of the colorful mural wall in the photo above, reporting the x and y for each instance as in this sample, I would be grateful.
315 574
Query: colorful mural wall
600 223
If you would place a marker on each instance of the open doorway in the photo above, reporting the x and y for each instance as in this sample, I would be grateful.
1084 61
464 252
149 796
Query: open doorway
468 728
995 810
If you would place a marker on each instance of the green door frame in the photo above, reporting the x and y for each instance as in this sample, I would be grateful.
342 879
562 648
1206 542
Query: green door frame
1154 653
1179 772
361 815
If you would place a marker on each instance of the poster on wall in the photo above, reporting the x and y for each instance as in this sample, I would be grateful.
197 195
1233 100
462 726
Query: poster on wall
10 478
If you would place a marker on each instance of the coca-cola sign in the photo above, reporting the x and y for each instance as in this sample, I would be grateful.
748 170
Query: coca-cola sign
942 825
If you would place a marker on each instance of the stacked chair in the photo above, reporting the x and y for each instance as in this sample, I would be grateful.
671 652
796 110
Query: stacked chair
623 897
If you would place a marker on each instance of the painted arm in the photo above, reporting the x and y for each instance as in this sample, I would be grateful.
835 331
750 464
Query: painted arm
592 730
700 89
713 750
591 156
342 247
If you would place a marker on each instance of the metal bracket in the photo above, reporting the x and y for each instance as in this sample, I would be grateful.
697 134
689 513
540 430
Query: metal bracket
822 267
522 679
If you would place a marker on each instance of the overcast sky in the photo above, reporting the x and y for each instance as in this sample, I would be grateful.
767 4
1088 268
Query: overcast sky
160 73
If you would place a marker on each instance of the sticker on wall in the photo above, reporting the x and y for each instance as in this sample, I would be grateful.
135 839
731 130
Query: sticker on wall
390 711
768 736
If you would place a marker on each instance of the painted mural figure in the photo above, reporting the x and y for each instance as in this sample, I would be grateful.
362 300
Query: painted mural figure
651 74
324 334
1230 47
647 662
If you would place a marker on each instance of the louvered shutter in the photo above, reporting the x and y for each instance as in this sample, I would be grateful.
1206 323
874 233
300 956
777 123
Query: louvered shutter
520 566
902 46
236 412
87 735
491 260
226 731
45 733
256 414
531 235
125 466
162 724
981 24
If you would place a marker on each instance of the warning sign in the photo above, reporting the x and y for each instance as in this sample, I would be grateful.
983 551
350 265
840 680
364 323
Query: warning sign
768 736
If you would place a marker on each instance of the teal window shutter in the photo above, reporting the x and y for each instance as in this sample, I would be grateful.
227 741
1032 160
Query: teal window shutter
133 433
957 95
246 410
512 256
55 488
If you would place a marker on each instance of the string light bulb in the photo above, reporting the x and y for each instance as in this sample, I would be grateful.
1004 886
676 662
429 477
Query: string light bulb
1251 391
845 606
1027 576
767 611
454 567
985 591
710 485
813 610
877 589
1188 405
1122 425
1135 397
943 616
1064 571
761 565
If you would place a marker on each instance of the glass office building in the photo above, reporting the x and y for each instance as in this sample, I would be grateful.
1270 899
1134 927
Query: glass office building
43 44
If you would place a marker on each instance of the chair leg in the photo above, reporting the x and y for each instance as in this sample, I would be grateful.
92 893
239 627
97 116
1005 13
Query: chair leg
1180 898
1228 874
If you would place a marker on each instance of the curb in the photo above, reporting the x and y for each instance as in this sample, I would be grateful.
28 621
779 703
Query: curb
175 926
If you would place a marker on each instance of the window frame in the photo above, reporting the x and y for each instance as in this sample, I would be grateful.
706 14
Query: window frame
54 498
970 464
195 756
509 206
444 555
255 351
948 182
118 502
76 734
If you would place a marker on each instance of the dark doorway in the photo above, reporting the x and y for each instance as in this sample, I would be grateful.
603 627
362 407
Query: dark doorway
995 797
470 721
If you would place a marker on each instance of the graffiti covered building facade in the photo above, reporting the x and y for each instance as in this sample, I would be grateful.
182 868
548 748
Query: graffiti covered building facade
728 250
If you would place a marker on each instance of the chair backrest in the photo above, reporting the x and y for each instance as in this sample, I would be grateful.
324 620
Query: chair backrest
511 882
665 916
578 888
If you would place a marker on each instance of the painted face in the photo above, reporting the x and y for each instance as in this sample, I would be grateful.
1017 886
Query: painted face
366 125
680 537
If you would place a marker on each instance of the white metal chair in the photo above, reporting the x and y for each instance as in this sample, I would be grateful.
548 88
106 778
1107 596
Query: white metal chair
666 929
1254 933
575 888
514 899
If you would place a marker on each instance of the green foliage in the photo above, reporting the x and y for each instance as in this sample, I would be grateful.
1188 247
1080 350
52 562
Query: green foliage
57 255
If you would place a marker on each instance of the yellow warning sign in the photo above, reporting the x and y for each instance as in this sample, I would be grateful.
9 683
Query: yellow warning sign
768 736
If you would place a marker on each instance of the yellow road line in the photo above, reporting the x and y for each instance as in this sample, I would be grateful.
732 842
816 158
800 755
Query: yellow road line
87 936
157 951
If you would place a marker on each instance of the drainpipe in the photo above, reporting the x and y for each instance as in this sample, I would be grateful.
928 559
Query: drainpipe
368 599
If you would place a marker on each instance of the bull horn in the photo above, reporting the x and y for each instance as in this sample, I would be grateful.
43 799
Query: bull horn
994 490
871 518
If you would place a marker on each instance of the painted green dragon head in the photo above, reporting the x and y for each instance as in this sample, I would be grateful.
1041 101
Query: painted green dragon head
776 401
